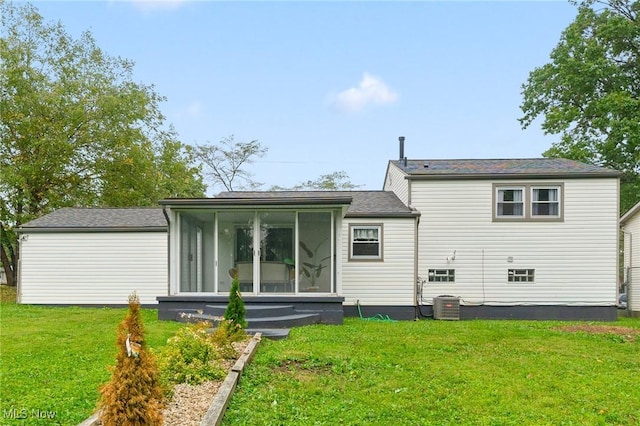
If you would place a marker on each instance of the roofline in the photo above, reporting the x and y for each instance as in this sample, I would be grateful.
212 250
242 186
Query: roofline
629 214
257 201
80 229
383 215
496 176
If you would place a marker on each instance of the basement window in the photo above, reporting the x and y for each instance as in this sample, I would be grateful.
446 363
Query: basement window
521 275
442 275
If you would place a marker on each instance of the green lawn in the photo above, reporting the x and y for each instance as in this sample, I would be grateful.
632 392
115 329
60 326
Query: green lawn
442 373
364 372
52 360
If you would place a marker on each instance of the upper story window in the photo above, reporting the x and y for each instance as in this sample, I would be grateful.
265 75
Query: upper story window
366 242
545 201
528 202
510 202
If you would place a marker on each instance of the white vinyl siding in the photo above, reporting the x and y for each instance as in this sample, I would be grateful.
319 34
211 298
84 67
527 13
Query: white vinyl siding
93 268
631 263
389 282
574 259
395 181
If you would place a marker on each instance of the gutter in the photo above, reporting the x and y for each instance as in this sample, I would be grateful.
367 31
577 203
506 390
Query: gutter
510 176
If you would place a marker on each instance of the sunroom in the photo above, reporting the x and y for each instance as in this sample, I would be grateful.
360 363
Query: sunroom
276 244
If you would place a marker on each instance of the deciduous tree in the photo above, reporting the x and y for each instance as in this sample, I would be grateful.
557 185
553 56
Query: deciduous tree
336 181
76 130
589 92
225 163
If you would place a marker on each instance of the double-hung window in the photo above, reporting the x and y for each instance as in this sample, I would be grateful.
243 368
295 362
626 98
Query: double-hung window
529 202
545 201
366 242
510 202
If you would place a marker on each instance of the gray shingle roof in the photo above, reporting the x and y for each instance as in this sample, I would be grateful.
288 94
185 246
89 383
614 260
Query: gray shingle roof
630 214
72 218
529 167
364 203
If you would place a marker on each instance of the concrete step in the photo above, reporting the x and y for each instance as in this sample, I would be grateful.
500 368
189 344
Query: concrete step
254 311
284 321
270 333
192 317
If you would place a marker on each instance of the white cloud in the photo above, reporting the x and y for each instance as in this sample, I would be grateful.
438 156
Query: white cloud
153 5
370 91
192 111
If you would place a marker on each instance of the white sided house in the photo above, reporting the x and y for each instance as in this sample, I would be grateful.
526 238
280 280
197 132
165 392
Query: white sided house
630 225
93 256
524 238
527 238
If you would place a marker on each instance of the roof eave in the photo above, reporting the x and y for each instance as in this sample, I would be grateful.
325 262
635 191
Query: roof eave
257 201
393 215
498 176
80 229
629 214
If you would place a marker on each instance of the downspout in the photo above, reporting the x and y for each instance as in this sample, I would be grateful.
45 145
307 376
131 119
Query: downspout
415 268
166 216
628 268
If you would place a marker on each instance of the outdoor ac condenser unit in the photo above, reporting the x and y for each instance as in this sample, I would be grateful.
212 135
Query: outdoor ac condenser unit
446 308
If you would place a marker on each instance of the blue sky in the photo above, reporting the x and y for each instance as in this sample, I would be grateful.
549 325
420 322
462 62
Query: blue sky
329 86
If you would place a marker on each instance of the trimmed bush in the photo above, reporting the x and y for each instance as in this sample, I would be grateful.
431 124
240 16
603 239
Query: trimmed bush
134 395
190 357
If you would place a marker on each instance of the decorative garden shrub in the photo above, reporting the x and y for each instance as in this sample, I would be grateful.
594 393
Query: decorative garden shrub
191 356
235 312
134 395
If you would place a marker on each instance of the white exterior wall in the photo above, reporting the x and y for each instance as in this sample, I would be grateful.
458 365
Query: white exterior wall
631 232
92 268
388 282
574 260
395 181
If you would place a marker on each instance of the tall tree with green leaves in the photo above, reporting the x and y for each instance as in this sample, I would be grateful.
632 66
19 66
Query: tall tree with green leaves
589 92
76 130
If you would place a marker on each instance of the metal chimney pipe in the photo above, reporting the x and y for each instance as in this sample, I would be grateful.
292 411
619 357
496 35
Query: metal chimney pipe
401 139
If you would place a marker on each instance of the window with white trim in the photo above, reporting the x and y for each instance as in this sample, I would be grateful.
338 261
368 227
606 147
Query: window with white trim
510 202
366 242
521 275
545 201
442 275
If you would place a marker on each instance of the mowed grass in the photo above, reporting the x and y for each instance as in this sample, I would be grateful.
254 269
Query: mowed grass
442 373
54 359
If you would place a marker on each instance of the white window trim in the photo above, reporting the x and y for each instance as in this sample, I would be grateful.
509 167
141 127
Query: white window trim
521 275
448 275
522 190
352 228
558 202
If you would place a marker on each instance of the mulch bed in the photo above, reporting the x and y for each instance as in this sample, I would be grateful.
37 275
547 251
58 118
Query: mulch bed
628 333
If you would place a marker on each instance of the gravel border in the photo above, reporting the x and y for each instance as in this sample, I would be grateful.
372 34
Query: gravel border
185 405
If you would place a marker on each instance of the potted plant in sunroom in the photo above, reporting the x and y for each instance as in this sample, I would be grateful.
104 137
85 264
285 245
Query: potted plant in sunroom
312 268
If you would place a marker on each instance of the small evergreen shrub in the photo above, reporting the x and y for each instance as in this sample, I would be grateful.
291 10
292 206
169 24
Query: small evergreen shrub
190 357
134 395
235 311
